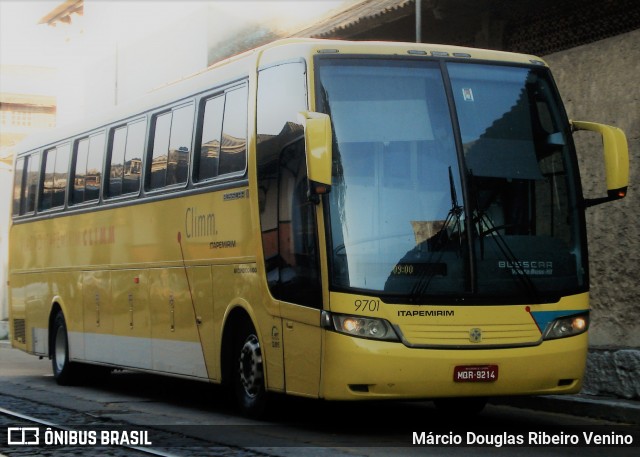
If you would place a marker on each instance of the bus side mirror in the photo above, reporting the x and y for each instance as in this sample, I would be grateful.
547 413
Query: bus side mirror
317 141
616 160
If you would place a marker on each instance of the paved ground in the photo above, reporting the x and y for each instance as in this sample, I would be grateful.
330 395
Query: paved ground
612 409
607 408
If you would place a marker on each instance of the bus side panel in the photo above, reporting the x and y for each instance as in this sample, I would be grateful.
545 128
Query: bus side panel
97 319
17 312
63 291
131 317
239 285
37 304
175 342
203 302
302 341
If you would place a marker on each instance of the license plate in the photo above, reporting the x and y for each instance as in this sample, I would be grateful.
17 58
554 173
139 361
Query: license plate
475 373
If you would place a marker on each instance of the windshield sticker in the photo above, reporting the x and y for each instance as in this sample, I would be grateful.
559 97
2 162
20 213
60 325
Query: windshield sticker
467 94
528 267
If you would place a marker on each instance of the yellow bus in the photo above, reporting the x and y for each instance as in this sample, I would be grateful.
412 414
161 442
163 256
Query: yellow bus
327 219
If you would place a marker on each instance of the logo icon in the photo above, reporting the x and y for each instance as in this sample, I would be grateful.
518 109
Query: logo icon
475 335
23 436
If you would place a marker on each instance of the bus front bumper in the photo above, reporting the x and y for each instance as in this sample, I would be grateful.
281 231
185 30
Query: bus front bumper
355 368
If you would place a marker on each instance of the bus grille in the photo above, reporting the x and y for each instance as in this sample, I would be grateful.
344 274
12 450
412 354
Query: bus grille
471 335
19 330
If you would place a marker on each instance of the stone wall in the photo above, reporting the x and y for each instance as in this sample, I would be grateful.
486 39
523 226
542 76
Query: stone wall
613 372
600 82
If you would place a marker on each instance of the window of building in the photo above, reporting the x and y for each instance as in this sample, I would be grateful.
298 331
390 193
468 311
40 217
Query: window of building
21 118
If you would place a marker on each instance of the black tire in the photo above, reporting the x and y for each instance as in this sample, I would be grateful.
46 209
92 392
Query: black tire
248 373
64 371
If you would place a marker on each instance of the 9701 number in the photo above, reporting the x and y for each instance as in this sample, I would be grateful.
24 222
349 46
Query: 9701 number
367 305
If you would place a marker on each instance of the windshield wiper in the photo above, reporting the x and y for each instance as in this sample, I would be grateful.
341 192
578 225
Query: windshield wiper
437 244
519 274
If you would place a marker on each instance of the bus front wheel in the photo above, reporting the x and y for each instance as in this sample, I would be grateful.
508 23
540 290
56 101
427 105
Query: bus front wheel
249 383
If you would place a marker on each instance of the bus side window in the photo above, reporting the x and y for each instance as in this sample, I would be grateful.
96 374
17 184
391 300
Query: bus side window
171 146
55 177
125 162
18 182
222 141
80 171
233 146
116 165
287 218
30 189
133 157
93 177
162 130
210 139
87 176
298 241
46 196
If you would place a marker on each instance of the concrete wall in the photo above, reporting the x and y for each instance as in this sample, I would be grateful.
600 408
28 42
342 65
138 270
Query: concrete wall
601 82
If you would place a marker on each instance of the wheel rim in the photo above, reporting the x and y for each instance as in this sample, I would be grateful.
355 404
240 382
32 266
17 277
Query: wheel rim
250 366
60 349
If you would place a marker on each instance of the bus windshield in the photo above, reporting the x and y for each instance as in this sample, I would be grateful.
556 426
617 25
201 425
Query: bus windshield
450 180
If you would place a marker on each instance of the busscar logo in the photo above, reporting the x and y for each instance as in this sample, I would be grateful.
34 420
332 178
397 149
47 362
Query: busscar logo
21 436
528 267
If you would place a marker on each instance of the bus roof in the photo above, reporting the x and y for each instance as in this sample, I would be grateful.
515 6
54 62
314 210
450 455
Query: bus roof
242 65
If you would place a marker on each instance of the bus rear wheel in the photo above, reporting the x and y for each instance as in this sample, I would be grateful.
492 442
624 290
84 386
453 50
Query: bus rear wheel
64 372
248 377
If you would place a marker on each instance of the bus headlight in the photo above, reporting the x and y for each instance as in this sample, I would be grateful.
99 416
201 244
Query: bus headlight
567 326
359 326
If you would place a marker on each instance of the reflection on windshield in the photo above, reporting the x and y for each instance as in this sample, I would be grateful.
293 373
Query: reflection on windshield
524 204
399 221
391 196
